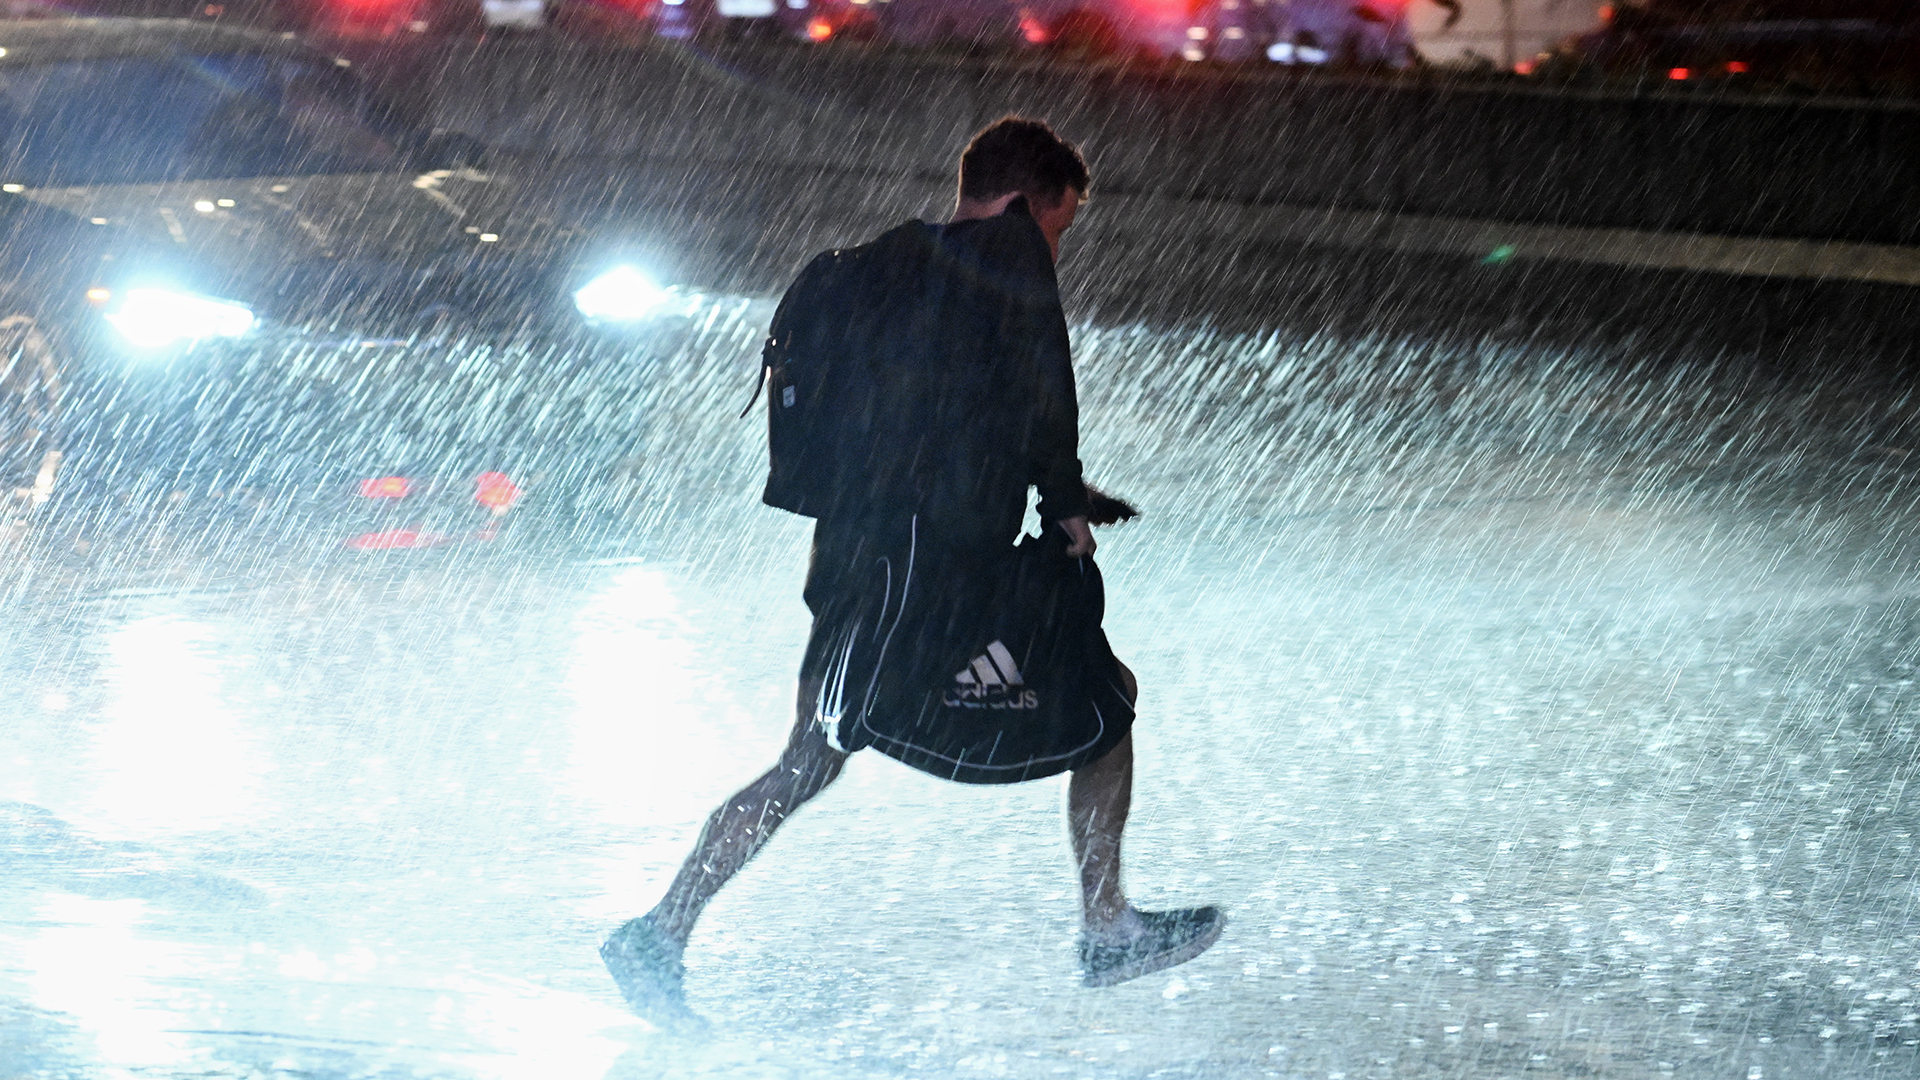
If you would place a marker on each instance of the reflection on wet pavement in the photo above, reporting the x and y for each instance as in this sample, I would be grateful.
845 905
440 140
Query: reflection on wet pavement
168 755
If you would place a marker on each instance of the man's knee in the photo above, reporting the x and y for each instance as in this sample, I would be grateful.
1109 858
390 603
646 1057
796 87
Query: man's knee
811 761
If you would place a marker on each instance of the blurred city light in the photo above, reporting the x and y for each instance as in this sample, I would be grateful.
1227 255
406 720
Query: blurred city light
150 318
496 491
623 293
386 487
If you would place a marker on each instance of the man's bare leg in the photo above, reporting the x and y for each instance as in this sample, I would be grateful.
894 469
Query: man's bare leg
1119 941
644 955
741 826
1099 796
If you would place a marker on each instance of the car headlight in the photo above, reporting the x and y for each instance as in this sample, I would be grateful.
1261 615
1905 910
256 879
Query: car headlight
150 318
622 294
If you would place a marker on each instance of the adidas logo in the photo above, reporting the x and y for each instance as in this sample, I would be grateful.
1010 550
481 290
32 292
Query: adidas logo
992 681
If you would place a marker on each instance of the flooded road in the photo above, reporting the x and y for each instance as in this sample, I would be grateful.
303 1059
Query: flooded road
1534 710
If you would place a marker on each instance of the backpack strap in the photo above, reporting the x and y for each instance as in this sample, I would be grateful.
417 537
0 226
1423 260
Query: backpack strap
759 384
780 334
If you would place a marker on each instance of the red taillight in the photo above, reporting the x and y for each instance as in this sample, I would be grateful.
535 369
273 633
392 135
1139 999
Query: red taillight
365 19
1680 74
386 487
394 539
819 30
1034 30
1523 67
496 492
1736 67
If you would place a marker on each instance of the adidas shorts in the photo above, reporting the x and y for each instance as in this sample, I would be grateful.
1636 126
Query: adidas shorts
981 665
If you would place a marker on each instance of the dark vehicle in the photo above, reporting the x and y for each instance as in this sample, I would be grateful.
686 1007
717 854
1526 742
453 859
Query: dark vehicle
201 220
333 20
813 21
1836 45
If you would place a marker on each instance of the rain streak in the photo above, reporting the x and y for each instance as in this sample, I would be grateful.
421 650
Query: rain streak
1527 654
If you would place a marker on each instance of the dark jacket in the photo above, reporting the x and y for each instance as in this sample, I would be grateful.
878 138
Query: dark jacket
926 374
968 383
1012 322
936 639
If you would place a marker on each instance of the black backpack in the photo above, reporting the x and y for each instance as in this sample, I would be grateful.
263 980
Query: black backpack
840 371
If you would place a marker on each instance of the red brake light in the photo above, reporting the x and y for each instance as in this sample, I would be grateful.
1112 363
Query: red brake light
1736 67
1679 74
394 539
819 30
496 492
385 487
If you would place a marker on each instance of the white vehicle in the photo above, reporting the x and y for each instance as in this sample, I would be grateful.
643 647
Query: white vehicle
513 14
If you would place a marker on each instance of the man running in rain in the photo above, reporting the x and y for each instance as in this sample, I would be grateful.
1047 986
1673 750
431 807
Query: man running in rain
935 638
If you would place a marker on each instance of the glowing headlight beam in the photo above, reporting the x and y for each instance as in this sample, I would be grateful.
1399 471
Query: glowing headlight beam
622 294
150 318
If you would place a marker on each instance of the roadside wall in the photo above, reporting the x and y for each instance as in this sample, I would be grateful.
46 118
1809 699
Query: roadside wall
1661 162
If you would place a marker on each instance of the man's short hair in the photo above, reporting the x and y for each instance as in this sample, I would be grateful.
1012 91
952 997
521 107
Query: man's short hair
1017 154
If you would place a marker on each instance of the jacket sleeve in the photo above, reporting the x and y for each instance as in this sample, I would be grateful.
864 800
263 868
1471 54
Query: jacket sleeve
1053 447
1050 408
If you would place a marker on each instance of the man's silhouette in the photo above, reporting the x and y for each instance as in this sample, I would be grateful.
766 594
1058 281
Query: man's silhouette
935 639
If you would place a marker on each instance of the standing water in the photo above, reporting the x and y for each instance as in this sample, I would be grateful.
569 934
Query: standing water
1533 710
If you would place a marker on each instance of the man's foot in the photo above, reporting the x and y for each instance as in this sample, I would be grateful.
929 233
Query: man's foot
646 966
1166 938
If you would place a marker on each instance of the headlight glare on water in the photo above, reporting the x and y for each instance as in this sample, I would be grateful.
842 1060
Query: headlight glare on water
622 294
151 318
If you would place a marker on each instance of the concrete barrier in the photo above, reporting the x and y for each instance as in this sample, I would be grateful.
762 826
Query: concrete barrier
1783 170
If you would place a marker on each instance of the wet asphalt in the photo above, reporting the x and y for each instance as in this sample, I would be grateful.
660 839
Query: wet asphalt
1538 702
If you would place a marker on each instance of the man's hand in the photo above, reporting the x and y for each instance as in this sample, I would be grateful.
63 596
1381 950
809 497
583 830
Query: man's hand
1080 535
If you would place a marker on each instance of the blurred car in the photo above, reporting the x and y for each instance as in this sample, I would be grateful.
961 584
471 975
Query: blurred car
1844 43
345 19
1367 33
514 14
965 23
814 21
174 195
1308 32
334 20
1340 33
